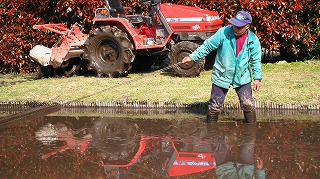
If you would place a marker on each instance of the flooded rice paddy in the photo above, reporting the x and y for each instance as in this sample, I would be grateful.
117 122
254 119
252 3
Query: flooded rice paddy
157 143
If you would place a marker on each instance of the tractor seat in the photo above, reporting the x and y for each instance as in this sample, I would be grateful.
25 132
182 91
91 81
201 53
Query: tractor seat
116 10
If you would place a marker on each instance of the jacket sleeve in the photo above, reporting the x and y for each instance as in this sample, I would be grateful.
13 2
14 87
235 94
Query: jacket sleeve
208 45
261 174
255 58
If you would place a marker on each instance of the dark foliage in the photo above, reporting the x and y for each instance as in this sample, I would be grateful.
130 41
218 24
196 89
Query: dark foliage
289 27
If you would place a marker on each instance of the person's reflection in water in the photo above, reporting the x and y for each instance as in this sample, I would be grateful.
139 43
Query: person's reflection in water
241 165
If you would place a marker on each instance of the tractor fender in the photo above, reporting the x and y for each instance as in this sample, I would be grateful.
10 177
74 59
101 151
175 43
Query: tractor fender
133 34
120 23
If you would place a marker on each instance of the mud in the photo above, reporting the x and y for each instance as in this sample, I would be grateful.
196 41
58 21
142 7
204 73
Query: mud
159 143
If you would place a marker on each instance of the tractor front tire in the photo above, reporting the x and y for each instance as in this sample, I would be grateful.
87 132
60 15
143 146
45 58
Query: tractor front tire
178 52
109 52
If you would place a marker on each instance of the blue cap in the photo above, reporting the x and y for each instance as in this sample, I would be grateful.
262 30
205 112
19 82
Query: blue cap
242 18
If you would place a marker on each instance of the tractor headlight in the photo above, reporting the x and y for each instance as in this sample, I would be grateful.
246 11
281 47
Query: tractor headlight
210 18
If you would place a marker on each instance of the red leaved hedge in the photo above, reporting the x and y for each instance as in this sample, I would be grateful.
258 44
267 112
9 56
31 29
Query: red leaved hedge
289 27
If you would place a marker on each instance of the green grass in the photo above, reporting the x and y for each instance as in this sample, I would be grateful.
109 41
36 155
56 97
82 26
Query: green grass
292 83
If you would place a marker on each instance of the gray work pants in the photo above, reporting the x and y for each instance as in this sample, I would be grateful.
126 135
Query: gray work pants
218 95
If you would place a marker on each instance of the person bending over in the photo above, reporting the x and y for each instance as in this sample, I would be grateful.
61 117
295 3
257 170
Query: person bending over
237 64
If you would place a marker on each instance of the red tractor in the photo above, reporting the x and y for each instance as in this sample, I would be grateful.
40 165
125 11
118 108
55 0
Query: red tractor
121 41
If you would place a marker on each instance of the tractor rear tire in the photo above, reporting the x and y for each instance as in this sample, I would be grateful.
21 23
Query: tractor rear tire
109 52
115 139
178 52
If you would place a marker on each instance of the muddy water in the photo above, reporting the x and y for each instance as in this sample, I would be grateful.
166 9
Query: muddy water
117 143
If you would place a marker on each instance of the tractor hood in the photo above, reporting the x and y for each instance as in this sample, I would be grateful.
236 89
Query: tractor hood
174 13
184 163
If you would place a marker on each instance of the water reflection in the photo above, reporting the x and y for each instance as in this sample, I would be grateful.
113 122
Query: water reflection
111 147
241 163
70 139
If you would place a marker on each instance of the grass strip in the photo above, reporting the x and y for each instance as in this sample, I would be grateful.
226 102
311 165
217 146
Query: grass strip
290 83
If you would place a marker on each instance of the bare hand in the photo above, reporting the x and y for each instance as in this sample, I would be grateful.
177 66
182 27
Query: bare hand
186 59
259 163
256 85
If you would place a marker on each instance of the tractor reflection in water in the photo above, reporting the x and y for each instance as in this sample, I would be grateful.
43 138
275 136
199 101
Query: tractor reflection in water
50 134
126 149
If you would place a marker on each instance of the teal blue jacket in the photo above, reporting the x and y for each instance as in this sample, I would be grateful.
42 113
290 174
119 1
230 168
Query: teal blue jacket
229 69
239 171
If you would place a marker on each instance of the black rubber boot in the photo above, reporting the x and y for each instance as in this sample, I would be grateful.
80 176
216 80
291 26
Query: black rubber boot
212 116
250 116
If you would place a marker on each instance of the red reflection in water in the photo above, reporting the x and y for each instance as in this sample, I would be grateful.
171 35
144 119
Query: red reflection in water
95 147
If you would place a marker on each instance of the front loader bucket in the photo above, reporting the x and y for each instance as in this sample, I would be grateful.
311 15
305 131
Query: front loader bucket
41 54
